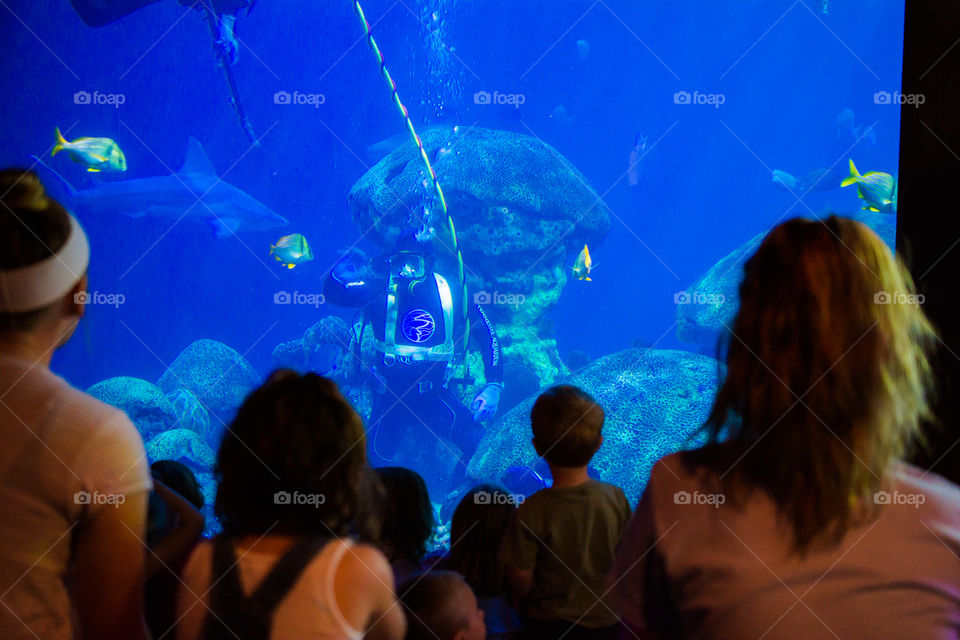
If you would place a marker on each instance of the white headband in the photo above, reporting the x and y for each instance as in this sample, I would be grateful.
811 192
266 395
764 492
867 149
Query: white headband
43 283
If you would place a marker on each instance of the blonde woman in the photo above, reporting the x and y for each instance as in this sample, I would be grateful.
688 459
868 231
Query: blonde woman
799 518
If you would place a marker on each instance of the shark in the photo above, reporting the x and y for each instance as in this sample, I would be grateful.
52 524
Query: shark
194 192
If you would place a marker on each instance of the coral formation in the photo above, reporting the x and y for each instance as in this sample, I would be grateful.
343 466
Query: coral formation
183 446
322 348
703 324
193 416
217 375
142 401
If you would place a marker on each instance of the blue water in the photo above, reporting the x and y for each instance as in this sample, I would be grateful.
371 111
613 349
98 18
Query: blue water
783 68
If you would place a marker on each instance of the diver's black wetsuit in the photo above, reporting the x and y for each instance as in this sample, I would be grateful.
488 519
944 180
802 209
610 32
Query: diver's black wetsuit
414 401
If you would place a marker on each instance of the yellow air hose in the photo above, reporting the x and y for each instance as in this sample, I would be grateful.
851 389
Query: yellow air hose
426 162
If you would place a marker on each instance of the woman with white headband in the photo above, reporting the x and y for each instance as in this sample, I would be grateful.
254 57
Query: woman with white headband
73 473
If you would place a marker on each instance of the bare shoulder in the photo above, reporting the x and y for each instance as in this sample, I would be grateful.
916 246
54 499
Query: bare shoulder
368 564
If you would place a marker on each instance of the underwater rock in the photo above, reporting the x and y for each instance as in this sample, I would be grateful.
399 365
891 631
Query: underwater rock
511 195
182 445
289 355
321 348
577 359
654 400
217 375
141 400
522 213
529 363
325 343
703 323
329 330
193 416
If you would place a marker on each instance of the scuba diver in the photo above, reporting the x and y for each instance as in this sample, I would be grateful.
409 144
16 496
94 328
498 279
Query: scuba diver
221 18
414 345
97 13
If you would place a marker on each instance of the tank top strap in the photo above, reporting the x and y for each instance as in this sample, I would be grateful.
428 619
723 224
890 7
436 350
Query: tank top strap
339 549
231 612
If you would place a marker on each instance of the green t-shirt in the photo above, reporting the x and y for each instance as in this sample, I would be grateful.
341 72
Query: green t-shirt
568 537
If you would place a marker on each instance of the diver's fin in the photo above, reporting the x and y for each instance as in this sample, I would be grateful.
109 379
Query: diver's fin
43 164
196 160
93 170
291 266
587 278
853 177
57 148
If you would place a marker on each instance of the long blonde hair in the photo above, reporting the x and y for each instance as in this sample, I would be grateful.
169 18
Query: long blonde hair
828 375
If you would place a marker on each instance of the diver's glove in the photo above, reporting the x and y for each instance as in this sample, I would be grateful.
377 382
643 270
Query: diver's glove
485 404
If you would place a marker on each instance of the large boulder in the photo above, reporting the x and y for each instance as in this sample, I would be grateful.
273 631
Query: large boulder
143 401
322 348
511 196
711 302
522 213
193 416
709 305
182 445
218 376
654 400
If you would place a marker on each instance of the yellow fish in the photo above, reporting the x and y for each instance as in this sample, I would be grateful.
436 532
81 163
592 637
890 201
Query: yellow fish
584 265
291 250
96 154
878 190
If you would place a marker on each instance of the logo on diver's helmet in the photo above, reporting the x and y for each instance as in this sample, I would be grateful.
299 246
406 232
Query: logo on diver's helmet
418 325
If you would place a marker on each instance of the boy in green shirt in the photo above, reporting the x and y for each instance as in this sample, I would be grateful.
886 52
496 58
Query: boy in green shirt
562 540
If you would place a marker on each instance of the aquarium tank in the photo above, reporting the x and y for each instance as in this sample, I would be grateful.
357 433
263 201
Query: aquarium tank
443 205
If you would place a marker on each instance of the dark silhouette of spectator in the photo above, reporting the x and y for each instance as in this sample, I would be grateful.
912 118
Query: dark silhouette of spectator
73 471
798 518
441 606
294 485
174 525
561 541
476 530
406 521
